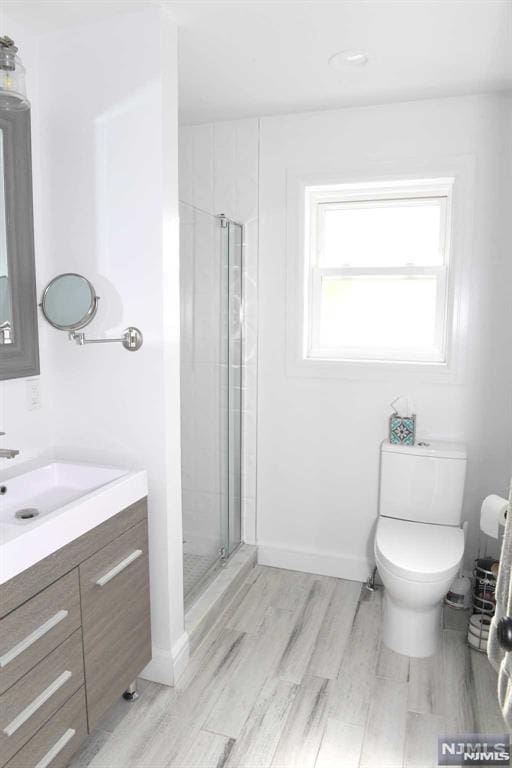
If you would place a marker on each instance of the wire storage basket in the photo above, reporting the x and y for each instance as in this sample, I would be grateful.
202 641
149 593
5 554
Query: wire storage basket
483 597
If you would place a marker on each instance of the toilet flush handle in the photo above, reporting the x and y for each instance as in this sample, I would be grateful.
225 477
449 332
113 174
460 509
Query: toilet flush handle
505 633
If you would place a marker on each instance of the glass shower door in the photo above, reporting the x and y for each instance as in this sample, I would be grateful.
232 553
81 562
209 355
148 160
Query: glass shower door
234 442
210 285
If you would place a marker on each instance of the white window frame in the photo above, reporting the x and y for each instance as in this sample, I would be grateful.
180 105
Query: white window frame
319 200
459 168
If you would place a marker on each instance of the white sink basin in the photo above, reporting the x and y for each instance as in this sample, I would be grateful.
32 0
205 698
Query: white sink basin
43 509
50 487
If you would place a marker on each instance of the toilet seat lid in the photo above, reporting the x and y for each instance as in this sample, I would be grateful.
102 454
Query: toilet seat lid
418 551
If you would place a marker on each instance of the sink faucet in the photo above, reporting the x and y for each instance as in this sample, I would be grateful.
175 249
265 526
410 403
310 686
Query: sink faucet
7 453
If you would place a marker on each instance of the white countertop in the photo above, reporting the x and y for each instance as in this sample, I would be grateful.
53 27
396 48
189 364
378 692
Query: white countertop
72 499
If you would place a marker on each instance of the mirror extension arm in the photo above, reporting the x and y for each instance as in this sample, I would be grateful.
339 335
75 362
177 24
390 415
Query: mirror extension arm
131 339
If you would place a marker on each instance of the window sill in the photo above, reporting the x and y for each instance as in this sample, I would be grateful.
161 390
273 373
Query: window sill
370 370
368 357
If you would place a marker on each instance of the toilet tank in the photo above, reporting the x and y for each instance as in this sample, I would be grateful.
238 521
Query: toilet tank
423 483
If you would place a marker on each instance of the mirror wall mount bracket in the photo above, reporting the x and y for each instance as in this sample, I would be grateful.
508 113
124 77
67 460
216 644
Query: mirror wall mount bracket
131 339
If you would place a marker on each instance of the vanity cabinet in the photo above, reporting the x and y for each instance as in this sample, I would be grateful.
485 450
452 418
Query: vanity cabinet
38 626
30 702
55 743
69 650
114 586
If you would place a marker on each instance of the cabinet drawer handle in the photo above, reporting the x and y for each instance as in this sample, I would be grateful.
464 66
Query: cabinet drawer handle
38 702
34 636
57 747
118 568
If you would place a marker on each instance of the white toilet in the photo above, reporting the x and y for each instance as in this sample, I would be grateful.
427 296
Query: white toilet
419 543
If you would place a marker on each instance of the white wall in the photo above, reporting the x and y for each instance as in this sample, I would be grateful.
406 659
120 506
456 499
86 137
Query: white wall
106 205
219 174
318 439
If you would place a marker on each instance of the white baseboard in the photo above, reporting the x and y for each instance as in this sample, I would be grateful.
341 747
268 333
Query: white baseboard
166 667
315 561
180 655
160 668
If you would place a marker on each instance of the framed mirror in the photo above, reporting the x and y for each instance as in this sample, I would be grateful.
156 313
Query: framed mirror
19 347
69 302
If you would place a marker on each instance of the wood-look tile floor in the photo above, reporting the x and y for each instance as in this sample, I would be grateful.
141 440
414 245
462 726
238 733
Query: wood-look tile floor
295 674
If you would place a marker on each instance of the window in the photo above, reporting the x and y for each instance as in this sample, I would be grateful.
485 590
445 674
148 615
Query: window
377 271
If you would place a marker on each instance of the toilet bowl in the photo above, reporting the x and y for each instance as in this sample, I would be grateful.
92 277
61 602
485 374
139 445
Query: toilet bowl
419 543
417 563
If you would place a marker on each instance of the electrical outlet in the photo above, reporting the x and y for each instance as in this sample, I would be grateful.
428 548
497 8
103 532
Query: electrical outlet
33 394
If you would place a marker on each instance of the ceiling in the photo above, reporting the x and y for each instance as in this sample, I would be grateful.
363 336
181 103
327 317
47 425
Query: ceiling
246 58
41 17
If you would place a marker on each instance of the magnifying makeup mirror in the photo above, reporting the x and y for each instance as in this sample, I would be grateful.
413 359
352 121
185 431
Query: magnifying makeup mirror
70 303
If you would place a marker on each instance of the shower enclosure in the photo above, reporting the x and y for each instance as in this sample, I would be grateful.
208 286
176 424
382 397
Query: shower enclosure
211 392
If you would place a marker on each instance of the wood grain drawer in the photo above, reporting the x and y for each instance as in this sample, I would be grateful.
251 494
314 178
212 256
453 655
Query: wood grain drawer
114 585
29 633
56 742
38 694
40 575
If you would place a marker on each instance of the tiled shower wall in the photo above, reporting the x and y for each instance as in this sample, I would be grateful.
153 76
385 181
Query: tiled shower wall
219 174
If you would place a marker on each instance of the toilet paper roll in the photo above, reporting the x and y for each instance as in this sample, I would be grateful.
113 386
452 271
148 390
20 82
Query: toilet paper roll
492 514
479 625
479 643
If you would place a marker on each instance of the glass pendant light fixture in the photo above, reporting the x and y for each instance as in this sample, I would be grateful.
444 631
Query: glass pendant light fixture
13 94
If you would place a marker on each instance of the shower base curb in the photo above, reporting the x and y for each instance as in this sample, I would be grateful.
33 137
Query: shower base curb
219 594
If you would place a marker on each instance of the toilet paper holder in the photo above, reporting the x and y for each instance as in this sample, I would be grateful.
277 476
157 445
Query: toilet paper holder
493 514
